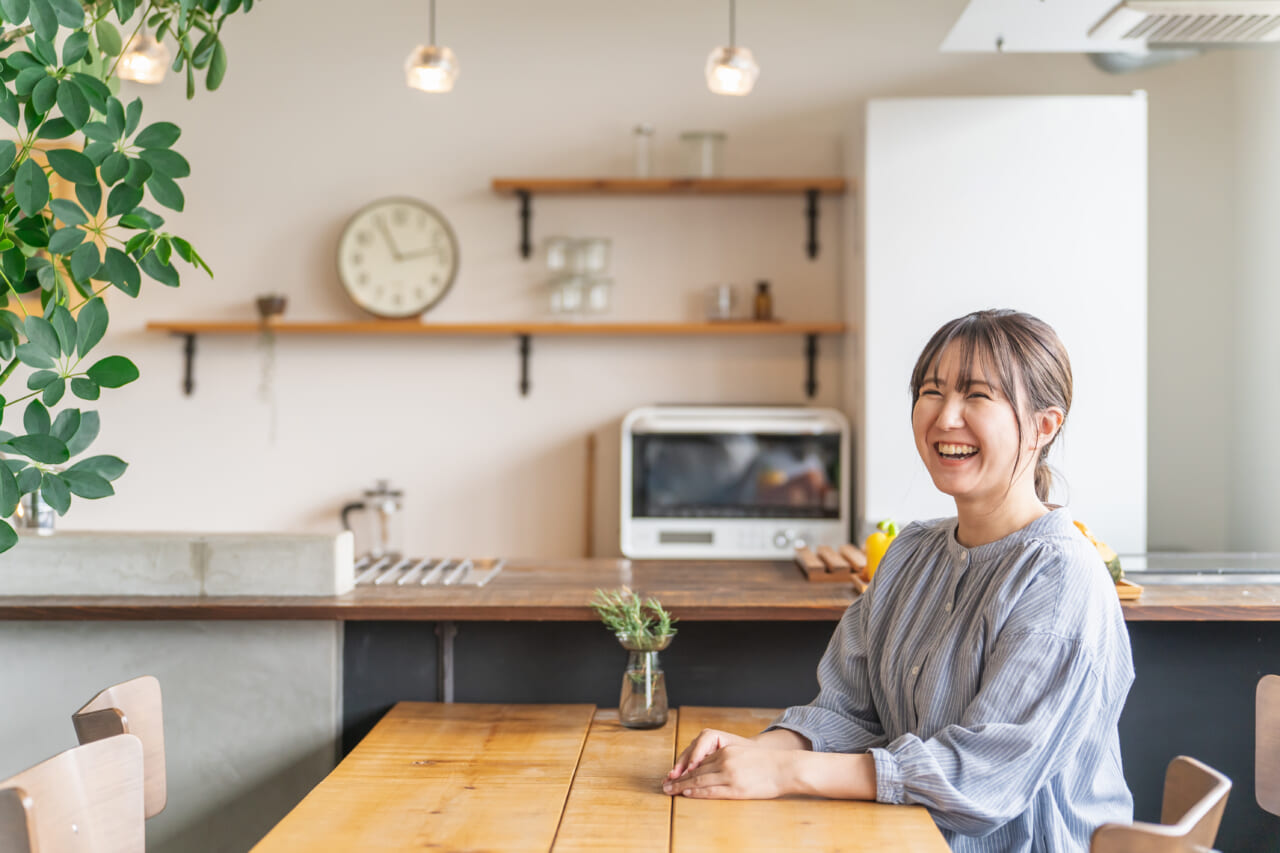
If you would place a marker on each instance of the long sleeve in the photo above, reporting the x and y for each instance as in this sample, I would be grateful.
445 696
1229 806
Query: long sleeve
1038 698
842 718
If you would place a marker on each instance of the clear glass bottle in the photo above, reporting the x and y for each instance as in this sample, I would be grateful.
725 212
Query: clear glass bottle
763 302
643 702
642 142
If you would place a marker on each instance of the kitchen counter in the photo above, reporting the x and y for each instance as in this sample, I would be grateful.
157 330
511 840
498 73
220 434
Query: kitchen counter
557 590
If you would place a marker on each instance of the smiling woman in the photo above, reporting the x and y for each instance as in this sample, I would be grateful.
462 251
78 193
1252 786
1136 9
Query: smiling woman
983 672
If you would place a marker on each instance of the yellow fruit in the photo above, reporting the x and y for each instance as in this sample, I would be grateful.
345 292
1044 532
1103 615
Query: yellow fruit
877 543
1108 555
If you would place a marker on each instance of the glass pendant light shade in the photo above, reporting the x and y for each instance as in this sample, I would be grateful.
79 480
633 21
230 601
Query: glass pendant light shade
731 71
144 59
431 68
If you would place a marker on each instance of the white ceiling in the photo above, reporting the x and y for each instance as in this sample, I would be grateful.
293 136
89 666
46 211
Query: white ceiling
1033 26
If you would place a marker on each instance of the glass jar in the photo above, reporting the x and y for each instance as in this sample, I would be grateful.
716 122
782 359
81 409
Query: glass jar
643 702
597 295
703 153
642 141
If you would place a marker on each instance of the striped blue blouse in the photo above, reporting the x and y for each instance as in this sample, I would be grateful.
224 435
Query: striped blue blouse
987 683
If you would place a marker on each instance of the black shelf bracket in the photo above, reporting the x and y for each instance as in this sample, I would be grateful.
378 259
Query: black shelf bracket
811 367
526 214
524 365
189 357
811 216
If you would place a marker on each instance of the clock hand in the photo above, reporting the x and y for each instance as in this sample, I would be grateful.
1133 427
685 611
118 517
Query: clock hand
422 254
391 244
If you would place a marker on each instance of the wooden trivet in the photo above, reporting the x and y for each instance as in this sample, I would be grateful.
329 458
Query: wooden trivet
1128 590
830 566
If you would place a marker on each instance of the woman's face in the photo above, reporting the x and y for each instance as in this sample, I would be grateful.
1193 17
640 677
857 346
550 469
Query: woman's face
968 438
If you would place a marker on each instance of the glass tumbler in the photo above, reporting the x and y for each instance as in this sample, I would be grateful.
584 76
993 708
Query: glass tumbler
703 153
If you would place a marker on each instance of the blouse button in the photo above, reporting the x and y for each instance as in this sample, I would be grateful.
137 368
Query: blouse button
947 607
915 670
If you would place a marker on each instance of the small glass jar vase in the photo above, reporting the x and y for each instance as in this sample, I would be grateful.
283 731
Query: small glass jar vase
643 703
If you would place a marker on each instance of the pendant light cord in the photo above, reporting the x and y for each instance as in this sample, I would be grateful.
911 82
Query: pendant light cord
431 23
732 6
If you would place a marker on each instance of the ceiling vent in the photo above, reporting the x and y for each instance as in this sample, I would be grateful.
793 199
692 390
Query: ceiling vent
1158 22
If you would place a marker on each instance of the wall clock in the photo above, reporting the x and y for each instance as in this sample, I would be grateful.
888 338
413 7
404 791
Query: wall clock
397 257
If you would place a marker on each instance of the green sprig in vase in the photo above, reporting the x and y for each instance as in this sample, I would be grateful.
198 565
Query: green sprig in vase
643 628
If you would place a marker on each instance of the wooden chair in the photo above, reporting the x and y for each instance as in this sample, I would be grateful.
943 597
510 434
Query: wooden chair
1194 797
1266 761
88 799
131 707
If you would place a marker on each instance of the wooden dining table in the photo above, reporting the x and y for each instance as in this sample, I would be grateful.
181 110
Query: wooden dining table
562 778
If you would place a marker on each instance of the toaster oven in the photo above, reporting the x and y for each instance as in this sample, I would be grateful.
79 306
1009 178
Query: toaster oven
733 482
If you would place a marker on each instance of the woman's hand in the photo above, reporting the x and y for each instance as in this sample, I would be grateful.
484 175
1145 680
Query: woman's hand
740 770
707 742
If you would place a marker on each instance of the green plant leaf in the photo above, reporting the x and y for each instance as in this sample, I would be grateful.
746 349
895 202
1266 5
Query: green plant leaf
9 494
115 167
27 80
65 239
163 273
8 107
65 325
31 187
162 134
15 12
8 536
132 115
15 466
164 250
124 9
91 325
140 243
32 356
69 13
184 250
217 68
153 220
75 48
43 20
73 166
113 371
121 271
86 485
8 152
73 103
90 197
44 95
139 172
99 132
166 192
90 423
40 378
84 263
106 467
67 211
41 334
131 220
55 492
32 117
85 389
66 425
42 49
53 392
204 48
28 480
56 128
167 162
35 420
20 60
115 116
123 199
14 265
47 278
108 38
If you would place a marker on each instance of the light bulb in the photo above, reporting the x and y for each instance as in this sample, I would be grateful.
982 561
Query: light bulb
431 68
731 71
144 60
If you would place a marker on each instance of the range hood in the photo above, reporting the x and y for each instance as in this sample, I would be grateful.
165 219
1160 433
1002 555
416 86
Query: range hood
1105 26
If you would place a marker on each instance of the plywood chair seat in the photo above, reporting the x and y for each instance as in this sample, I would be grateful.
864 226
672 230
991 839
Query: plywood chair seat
88 799
1194 797
132 707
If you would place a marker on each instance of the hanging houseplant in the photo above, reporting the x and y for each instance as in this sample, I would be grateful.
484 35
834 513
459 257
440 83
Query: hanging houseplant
58 64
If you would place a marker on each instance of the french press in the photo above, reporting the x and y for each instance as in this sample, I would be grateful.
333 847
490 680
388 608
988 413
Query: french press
381 532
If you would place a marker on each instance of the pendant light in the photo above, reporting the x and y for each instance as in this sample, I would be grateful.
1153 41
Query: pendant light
731 70
144 59
431 68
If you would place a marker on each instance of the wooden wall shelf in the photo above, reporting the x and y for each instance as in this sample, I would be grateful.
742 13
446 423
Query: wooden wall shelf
811 188
523 332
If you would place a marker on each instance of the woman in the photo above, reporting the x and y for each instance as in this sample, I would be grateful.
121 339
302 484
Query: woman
983 672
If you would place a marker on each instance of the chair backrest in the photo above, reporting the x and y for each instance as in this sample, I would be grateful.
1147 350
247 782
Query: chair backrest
131 707
86 800
1266 761
1194 797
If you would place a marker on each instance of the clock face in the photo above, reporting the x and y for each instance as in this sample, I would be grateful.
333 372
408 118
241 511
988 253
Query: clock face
397 257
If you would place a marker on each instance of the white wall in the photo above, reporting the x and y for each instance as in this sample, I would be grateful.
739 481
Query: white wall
314 120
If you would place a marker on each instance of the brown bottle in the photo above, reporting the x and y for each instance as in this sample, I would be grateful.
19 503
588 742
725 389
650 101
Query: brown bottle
763 302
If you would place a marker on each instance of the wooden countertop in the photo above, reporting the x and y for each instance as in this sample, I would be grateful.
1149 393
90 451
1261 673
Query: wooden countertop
557 590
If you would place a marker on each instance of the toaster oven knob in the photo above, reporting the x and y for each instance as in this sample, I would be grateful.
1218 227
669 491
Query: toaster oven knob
781 539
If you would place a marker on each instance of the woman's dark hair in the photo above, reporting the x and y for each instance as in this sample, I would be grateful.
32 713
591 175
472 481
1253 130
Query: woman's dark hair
1020 352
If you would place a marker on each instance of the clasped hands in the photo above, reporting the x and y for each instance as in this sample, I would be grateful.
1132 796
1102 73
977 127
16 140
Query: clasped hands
719 765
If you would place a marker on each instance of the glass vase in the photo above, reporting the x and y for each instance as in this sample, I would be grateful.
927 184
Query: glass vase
643 703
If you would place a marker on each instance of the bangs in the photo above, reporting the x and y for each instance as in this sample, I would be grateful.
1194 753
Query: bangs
984 354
